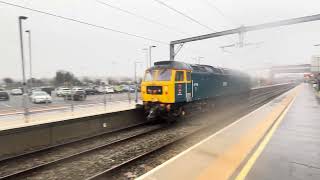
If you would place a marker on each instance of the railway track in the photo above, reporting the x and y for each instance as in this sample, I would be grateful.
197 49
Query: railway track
63 153
251 104
97 161
101 175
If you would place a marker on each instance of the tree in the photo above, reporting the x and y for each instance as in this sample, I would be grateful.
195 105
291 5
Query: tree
112 81
97 82
87 80
8 80
65 78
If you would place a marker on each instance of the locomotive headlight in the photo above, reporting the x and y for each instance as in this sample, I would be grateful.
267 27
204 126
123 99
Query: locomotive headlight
168 107
165 89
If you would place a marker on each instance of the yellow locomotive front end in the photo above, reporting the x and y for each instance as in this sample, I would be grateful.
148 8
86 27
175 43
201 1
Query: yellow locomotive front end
166 87
158 86
157 92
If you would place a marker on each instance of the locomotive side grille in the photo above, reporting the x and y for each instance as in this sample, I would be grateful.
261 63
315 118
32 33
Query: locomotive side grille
154 89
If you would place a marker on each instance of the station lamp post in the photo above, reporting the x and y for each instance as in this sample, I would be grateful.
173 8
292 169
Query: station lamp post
24 83
146 56
150 60
30 58
136 81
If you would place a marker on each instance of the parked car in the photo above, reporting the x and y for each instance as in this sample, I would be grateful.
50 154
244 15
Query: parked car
33 90
40 97
77 94
105 89
16 92
91 91
133 87
4 96
118 89
63 91
47 89
127 88
101 89
109 89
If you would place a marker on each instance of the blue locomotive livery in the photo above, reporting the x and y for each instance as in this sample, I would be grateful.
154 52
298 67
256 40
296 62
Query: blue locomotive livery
170 86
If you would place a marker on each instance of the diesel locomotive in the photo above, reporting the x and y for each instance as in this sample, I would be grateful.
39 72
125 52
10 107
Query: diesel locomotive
170 87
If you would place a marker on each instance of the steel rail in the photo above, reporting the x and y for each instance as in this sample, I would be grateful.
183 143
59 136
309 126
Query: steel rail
118 166
74 155
258 99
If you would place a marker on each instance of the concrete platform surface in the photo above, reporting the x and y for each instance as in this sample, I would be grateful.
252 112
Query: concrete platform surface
16 121
223 154
293 151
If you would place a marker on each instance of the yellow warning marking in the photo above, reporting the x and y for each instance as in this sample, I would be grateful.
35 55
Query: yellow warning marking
245 170
226 164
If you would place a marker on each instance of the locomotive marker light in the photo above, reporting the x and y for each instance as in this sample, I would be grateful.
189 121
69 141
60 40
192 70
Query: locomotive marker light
179 89
240 30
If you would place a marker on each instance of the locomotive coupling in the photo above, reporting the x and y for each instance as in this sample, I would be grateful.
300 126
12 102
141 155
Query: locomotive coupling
153 113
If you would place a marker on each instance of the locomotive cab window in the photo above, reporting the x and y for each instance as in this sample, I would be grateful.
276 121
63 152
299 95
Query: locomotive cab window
179 76
188 76
164 75
149 76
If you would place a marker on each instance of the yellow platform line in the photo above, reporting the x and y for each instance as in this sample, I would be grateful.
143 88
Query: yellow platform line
248 166
227 163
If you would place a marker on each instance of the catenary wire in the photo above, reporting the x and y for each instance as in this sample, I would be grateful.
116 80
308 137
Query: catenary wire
220 12
141 17
185 15
188 17
84 22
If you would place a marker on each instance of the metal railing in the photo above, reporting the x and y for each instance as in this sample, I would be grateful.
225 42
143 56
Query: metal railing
110 101
103 102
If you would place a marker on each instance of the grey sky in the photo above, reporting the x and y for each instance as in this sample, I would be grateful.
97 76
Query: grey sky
87 51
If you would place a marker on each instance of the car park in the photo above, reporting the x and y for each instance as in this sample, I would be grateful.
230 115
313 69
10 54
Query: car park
4 96
33 90
101 89
91 91
127 88
109 89
105 89
133 88
76 94
40 97
118 89
63 91
16 92
47 89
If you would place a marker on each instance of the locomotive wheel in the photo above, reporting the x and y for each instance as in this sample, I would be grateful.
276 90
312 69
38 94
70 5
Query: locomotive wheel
178 111
174 116
170 118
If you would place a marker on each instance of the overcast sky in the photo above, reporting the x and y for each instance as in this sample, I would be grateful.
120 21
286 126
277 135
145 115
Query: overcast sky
87 51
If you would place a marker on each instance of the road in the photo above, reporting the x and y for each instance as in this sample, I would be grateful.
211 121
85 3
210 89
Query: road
14 105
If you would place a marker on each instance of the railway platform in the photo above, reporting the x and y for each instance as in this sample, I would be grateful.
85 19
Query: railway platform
55 114
280 140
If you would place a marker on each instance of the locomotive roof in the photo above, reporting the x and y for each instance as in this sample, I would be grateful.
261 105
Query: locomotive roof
171 65
193 67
